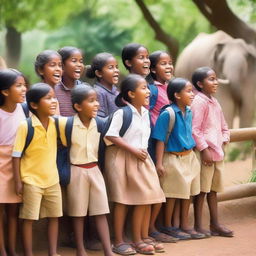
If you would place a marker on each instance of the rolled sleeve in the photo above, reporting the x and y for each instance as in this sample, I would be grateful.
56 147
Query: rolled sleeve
20 139
161 127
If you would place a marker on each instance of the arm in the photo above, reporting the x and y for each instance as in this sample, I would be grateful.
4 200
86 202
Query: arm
120 142
159 158
17 179
224 129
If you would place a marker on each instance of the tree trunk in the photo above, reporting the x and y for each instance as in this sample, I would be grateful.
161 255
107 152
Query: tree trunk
13 47
218 13
171 43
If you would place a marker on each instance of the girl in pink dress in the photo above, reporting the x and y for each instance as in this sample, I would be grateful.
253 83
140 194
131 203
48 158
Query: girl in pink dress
12 92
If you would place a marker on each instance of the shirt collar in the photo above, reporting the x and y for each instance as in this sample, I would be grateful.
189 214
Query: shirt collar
114 89
160 84
78 122
134 110
37 122
77 82
177 109
202 95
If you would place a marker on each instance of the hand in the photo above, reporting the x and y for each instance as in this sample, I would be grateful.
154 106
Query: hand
160 170
19 188
141 154
206 157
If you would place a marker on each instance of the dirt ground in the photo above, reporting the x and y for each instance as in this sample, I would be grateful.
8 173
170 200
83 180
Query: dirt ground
239 215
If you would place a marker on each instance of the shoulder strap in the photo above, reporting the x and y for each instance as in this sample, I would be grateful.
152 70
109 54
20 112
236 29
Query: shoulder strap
30 134
25 109
153 95
171 122
101 123
127 119
68 130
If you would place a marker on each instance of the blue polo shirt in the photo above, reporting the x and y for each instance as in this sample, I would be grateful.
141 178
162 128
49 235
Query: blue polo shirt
181 136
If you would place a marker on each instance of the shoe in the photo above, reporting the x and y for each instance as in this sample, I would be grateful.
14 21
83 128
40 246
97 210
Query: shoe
144 248
159 247
221 231
123 249
194 234
164 238
175 232
207 233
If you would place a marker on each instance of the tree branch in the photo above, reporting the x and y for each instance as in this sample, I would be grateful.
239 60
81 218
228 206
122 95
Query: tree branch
218 13
171 42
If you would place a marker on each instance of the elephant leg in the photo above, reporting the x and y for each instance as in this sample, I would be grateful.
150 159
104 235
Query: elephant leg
247 109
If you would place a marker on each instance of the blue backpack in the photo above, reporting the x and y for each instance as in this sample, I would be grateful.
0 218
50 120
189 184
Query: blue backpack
153 95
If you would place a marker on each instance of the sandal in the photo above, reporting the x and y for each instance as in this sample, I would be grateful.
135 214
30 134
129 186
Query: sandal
207 233
175 232
144 248
159 247
194 234
123 249
221 231
162 237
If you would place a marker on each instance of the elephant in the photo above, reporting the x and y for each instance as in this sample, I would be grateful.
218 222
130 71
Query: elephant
234 62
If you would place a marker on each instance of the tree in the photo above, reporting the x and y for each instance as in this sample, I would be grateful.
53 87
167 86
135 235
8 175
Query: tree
24 15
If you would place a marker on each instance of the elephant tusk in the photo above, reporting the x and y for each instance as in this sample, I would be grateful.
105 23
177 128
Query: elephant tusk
223 81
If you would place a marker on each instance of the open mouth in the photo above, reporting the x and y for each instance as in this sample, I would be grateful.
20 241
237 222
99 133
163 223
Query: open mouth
57 76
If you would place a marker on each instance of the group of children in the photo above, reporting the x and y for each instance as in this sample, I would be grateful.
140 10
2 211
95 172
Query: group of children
178 122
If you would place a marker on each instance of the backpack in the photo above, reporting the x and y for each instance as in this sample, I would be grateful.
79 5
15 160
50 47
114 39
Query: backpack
171 112
153 95
25 109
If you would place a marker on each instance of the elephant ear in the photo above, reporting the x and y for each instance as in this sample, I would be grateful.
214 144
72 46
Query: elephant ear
215 60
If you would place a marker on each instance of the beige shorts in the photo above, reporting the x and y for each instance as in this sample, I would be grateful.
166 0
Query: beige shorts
182 177
212 177
86 192
41 202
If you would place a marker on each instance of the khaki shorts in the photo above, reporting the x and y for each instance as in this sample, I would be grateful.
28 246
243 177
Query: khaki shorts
182 178
41 202
86 192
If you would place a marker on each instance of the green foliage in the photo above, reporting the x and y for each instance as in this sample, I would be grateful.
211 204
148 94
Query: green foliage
253 177
239 151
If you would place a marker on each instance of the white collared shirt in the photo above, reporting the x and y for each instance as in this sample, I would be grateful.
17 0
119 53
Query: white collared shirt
138 133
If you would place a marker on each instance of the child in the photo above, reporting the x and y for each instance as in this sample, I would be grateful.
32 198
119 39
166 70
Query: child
48 66
12 92
35 170
135 59
73 68
129 163
176 162
210 132
86 190
105 69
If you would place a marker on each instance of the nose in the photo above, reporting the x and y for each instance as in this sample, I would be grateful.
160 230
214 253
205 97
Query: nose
24 88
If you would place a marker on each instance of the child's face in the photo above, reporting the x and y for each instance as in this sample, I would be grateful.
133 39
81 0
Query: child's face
47 104
210 84
74 66
186 95
17 92
109 74
89 106
141 94
140 63
164 68
52 71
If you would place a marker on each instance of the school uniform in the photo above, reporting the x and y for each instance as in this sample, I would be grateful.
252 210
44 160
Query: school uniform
210 130
179 161
86 191
9 123
38 170
129 180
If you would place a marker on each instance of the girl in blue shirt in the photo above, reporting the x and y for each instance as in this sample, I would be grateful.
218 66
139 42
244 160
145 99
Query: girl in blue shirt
176 162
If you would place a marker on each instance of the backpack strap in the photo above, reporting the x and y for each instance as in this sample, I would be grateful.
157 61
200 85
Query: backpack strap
101 123
171 122
153 95
127 119
68 130
30 134
25 109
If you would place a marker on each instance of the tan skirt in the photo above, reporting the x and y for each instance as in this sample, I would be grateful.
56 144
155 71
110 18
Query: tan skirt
7 184
129 180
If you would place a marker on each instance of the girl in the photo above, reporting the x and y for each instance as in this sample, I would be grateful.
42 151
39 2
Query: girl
135 59
48 66
35 170
176 162
73 68
105 69
86 190
210 132
129 163
12 92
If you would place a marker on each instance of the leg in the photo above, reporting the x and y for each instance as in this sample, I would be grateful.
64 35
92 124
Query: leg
120 211
176 214
53 228
12 216
168 213
78 224
215 226
27 237
198 211
2 245
184 223
146 221
103 230
155 209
